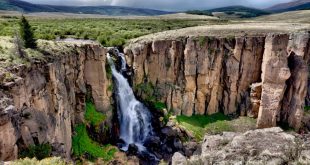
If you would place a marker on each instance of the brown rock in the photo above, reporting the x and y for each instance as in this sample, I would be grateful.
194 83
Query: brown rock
297 84
207 74
255 95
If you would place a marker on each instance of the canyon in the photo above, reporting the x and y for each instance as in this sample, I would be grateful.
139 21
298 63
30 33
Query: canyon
259 71
259 74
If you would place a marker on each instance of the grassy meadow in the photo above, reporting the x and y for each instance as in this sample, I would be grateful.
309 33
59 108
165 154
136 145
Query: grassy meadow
108 31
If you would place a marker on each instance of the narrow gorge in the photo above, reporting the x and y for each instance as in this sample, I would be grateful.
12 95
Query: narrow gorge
260 73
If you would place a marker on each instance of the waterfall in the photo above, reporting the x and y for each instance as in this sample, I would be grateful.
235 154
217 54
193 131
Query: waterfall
134 117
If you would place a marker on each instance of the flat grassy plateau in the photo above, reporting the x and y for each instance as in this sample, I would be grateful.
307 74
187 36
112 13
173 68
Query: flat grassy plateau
107 31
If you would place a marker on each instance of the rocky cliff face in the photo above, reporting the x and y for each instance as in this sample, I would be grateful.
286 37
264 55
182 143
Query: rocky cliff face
263 75
41 103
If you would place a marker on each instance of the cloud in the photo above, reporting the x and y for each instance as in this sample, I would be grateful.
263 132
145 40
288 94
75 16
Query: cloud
165 4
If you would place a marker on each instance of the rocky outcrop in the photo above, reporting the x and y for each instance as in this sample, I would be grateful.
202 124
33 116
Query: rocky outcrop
209 74
275 72
262 146
42 102
255 95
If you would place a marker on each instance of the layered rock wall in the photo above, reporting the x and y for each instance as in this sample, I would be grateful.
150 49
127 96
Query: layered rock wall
207 74
45 100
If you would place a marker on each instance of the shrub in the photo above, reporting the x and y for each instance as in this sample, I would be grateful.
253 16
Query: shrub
40 151
159 105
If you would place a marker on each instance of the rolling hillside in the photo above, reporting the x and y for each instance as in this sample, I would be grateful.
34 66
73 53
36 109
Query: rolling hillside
231 12
300 16
291 6
17 5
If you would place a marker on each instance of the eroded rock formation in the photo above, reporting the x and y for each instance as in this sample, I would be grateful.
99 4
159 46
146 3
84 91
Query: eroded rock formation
262 146
43 102
210 74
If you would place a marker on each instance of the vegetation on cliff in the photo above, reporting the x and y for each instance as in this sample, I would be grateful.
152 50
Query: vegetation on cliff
83 145
200 125
92 116
39 152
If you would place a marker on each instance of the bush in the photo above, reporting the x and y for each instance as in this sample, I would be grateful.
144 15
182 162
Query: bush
40 151
160 105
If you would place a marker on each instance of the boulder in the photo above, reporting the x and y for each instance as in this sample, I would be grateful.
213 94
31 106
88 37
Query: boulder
132 149
261 146
178 159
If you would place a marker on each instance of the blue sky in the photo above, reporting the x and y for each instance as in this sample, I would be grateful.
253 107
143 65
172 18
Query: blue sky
173 5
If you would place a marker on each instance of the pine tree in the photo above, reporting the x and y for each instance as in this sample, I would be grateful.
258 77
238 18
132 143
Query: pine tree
27 34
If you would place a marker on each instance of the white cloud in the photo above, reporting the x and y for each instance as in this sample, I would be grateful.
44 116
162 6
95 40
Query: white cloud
166 4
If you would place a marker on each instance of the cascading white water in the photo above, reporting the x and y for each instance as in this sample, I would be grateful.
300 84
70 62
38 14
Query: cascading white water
134 117
121 55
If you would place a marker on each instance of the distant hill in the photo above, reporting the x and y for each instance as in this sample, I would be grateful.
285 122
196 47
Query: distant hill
18 5
231 12
291 6
298 16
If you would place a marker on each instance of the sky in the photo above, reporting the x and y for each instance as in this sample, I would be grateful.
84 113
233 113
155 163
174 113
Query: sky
170 5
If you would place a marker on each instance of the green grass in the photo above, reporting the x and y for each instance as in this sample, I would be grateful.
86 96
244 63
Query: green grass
307 108
92 116
109 32
83 144
199 125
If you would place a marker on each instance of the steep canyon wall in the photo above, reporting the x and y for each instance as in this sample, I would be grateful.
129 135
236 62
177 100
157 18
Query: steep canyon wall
44 101
264 75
